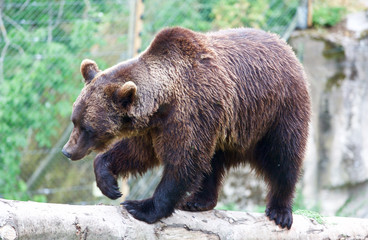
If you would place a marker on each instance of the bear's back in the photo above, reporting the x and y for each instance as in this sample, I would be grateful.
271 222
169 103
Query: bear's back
260 63
261 53
267 78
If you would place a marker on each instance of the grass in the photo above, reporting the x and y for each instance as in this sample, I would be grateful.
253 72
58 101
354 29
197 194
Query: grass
310 214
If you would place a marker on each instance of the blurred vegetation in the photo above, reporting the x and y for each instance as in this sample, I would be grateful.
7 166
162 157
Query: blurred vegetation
36 95
234 13
311 214
228 207
327 13
271 15
204 15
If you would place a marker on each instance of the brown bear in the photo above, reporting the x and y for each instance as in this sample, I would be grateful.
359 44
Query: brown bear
198 104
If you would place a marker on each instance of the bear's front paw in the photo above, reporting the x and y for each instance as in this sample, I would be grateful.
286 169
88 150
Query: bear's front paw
105 180
281 215
108 185
145 210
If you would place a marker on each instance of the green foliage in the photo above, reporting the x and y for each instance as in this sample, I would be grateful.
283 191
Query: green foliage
192 14
228 207
203 15
233 13
273 15
326 15
299 208
38 84
260 209
280 14
311 214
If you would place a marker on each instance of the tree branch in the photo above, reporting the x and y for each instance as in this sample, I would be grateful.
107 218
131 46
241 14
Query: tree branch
57 21
7 41
25 4
31 220
86 9
14 24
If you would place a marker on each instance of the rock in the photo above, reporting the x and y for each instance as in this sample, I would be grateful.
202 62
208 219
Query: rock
336 167
358 23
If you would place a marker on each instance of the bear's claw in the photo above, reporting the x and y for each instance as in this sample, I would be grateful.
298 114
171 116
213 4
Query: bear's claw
143 210
282 216
109 186
198 204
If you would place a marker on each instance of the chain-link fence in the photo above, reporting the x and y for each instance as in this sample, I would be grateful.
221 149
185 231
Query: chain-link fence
41 46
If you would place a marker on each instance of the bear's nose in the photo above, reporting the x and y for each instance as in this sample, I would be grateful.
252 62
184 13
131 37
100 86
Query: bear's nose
68 155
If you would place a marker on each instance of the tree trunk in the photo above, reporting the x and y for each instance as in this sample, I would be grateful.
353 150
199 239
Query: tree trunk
31 220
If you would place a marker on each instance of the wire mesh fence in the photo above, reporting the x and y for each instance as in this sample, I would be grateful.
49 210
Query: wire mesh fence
41 46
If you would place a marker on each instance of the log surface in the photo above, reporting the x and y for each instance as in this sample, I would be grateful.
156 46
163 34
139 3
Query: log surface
31 220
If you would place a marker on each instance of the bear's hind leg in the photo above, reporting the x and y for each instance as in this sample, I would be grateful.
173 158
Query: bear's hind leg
278 157
205 198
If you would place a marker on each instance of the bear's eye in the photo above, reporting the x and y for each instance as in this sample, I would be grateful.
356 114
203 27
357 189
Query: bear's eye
87 129
126 119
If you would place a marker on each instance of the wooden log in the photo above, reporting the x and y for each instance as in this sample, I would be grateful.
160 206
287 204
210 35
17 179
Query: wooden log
31 220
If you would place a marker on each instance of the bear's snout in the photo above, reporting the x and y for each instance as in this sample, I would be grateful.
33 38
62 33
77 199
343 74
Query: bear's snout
79 145
66 153
75 152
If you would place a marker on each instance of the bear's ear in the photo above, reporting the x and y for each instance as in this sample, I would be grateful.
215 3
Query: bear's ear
126 93
89 69
123 95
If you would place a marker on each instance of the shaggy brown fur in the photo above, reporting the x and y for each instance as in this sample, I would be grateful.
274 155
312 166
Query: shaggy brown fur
198 104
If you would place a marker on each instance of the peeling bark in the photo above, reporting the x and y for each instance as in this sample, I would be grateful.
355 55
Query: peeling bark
31 220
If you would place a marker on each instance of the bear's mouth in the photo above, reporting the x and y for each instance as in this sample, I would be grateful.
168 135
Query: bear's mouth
77 155
80 156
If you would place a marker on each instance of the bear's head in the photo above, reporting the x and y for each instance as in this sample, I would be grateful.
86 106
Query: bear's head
101 112
134 96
